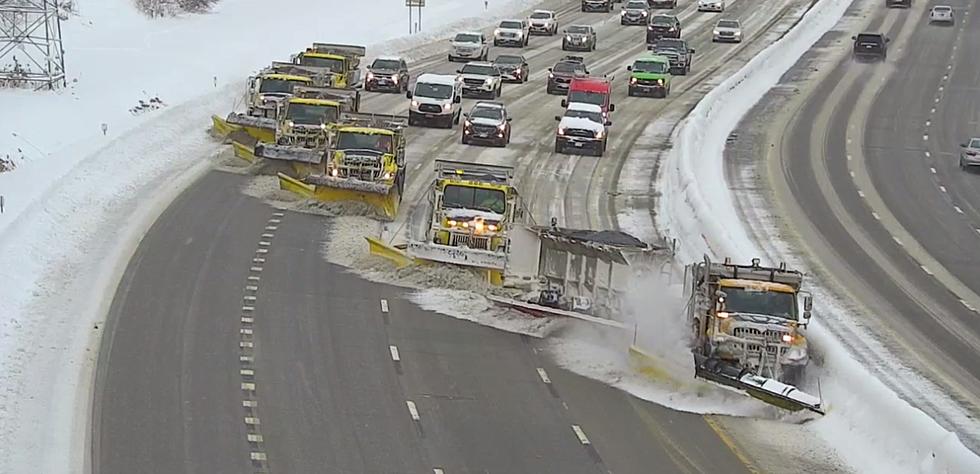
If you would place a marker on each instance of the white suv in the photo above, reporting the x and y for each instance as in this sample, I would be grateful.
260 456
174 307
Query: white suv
543 22
469 45
512 33
436 99
481 80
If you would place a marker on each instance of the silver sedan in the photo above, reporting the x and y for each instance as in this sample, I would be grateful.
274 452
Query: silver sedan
970 154
941 14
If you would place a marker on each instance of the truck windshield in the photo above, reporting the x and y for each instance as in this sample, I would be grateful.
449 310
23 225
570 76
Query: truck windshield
467 38
479 70
593 116
273 86
511 25
540 15
466 197
380 143
333 64
585 97
433 91
385 64
309 114
650 66
771 303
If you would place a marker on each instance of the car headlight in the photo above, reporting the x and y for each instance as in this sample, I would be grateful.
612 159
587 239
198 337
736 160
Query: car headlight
415 103
386 176
501 127
643 13
569 37
446 106
660 82
323 126
496 32
738 33
488 81
467 124
551 76
622 13
370 76
289 124
394 79
599 134
716 32
333 172
632 80
561 131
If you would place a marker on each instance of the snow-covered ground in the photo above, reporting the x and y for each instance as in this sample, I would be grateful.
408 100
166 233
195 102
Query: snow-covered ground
79 201
873 429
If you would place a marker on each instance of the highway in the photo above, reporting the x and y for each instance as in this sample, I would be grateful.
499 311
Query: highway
863 166
232 346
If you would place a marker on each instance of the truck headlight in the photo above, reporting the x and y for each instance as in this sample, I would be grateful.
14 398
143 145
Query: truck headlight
501 127
632 80
415 103
598 134
386 176
660 82
569 38
452 223
492 228
561 131
370 76
716 32
487 81
446 107
795 354
496 32
394 79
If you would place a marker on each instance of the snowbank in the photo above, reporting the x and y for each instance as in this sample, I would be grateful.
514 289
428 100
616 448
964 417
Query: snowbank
871 426
78 202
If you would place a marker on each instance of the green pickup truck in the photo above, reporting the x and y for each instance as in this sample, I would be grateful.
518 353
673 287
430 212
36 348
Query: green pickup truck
650 75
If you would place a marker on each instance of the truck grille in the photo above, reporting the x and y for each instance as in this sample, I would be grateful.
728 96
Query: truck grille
488 129
647 82
769 335
430 108
472 241
726 33
473 82
579 132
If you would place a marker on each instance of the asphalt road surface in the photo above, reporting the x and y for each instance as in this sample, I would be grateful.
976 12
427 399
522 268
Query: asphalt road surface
233 346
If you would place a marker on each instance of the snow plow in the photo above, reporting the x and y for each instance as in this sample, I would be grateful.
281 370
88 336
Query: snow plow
329 65
748 323
304 123
365 163
474 207
266 92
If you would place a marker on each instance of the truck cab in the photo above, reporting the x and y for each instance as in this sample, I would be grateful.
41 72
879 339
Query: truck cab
591 90
340 62
435 99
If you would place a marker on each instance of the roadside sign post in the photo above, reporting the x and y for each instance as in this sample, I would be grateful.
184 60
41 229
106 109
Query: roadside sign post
418 4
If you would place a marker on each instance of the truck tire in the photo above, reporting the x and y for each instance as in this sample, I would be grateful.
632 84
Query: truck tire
564 46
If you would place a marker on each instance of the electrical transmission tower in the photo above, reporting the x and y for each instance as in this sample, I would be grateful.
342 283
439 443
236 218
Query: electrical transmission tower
30 44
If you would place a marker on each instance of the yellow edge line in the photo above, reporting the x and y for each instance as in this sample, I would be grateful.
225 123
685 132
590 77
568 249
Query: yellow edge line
736 450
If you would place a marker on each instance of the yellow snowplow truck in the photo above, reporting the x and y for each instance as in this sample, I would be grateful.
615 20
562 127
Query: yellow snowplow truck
748 330
365 163
329 65
474 207
266 92
305 121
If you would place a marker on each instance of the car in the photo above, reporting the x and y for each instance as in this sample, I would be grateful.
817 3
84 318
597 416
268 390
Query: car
663 26
480 79
487 123
469 45
582 127
579 38
513 67
512 33
650 75
728 31
870 46
543 22
435 99
387 73
597 6
677 51
941 14
711 6
662 4
970 154
562 73
634 12
591 90
898 3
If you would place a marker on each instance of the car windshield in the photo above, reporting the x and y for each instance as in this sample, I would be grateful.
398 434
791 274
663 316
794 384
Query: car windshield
514 25
974 143
637 5
433 91
771 303
272 86
480 70
334 64
508 60
650 66
586 114
727 24
669 43
662 21
585 97
309 114
378 142
465 197
578 29
494 113
541 15
385 64
568 67
467 38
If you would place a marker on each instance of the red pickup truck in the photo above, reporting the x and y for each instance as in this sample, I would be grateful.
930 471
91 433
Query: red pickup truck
591 90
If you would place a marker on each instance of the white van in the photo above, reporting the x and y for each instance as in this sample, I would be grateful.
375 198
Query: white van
436 100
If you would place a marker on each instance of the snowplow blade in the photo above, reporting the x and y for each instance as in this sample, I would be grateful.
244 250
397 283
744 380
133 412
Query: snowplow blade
221 128
261 128
327 189
243 144
288 153
383 250
768 390
458 255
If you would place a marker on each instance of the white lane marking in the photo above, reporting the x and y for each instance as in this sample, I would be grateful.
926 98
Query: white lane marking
933 170
252 420
261 251
967 305
255 269
927 154
928 123
246 359
849 157
274 221
258 260
978 230
247 320
861 193
254 438
928 272
271 227
941 87
246 372
384 305
250 403
246 344
899 242
925 137
268 236
543 375
412 410
436 470
278 214
875 215
394 353
257 456
942 188
248 308
251 288
932 110
852 174
254 278
248 386
246 331
264 243
581 435
958 210
249 298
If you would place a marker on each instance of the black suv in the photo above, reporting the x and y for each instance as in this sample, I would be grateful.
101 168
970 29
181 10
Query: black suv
597 5
898 3
663 26
387 74
870 46
677 51
658 4
562 73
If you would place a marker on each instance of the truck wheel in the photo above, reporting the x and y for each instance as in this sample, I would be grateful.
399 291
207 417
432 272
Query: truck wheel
558 148
629 92
463 140
564 46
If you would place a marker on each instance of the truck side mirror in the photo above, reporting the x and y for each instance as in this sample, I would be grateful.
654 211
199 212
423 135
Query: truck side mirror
558 118
888 40
609 123
807 303
629 68
564 102
510 119
459 71
612 107
408 94
854 37
692 50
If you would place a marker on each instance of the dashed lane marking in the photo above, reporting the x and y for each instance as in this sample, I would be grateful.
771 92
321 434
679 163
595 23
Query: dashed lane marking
249 403
247 320
254 438
249 298
254 278
413 410
958 210
248 386
927 154
252 420
258 260
581 435
256 269
246 372
394 353
246 331
899 242
928 272
264 243
246 344
925 137
933 170
268 236
275 221
861 193
543 375
248 308
257 456
436 470
852 174
942 188
875 215
261 251
271 227
278 214
251 288
384 306
246 359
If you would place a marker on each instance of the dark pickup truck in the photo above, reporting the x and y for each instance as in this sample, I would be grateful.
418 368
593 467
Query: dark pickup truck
870 47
